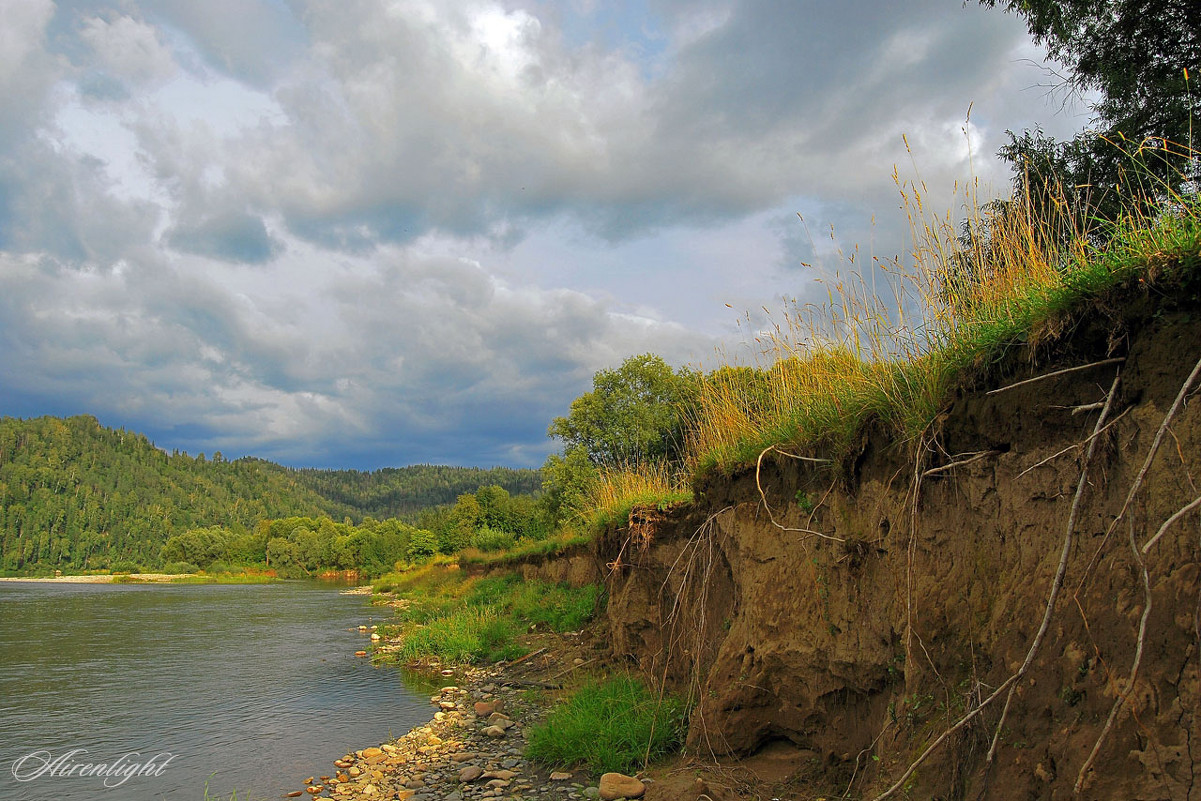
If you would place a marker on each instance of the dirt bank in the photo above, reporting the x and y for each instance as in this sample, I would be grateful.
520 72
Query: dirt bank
840 618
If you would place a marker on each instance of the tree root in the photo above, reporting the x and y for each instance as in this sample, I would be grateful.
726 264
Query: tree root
1010 683
767 506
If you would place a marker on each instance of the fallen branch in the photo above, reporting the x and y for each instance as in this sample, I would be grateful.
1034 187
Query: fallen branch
530 655
1101 363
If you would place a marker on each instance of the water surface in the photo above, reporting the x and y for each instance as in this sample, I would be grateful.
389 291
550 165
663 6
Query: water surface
252 688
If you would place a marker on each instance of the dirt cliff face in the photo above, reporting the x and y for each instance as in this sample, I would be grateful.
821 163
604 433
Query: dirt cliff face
856 612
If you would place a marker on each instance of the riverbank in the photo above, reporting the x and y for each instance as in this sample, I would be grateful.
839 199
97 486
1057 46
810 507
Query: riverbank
151 578
98 579
473 746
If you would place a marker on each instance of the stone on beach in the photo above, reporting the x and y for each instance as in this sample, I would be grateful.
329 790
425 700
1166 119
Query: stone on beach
470 773
485 708
618 785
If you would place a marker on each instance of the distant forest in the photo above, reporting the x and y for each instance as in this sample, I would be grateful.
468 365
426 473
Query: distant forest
76 495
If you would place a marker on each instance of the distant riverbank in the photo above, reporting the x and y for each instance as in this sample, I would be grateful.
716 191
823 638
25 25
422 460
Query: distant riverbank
147 578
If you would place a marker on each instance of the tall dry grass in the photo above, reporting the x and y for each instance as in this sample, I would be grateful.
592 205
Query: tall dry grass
893 347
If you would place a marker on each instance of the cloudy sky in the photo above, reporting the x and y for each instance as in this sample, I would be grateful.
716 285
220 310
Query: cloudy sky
382 232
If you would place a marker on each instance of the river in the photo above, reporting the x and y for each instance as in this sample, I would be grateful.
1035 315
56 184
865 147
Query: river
250 688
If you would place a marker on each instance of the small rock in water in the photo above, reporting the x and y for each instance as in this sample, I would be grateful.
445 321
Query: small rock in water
294 794
496 732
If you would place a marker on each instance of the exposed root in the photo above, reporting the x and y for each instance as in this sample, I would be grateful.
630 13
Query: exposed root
1074 446
1010 683
1163 427
1120 702
767 506
699 549
1102 363
1167 523
974 457
1060 571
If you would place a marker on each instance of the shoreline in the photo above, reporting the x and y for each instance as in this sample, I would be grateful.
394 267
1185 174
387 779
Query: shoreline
97 579
137 578
472 747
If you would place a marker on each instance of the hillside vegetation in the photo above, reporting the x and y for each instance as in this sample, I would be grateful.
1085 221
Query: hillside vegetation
75 495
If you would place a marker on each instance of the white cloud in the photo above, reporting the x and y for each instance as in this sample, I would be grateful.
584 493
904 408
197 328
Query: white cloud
414 229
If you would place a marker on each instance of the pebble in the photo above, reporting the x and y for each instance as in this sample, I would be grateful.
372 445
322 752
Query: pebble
458 755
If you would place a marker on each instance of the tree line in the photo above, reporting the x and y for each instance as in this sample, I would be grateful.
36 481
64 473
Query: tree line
75 495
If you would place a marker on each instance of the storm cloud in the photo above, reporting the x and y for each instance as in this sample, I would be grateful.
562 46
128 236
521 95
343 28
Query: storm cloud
367 233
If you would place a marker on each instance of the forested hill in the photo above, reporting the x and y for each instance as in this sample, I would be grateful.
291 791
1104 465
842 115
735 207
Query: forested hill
74 494
404 491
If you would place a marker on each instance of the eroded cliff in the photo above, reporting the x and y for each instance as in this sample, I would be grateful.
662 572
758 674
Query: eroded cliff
856 612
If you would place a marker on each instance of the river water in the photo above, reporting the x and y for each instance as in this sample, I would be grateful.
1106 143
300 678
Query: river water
250 688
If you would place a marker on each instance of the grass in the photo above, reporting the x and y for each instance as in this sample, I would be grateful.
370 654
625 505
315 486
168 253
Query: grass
613 725
452 617
620 489
959 305
560 542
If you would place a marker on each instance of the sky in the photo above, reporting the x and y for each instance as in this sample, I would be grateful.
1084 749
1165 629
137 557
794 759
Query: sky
359 234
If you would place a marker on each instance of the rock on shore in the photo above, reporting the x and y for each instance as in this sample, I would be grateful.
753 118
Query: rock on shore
472 748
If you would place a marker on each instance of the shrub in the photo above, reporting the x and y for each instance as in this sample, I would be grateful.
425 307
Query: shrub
490 540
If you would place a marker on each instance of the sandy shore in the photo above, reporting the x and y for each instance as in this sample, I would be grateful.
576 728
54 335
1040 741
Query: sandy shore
91 579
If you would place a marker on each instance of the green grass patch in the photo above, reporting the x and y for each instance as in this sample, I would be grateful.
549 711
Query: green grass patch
452 617
614 725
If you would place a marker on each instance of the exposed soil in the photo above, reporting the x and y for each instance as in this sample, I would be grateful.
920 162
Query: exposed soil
900 589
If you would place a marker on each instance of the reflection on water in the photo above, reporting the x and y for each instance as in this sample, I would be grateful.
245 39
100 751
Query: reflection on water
253 688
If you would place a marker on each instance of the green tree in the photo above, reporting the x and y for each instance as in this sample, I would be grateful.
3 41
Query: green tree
634 413
1137 55
567 480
